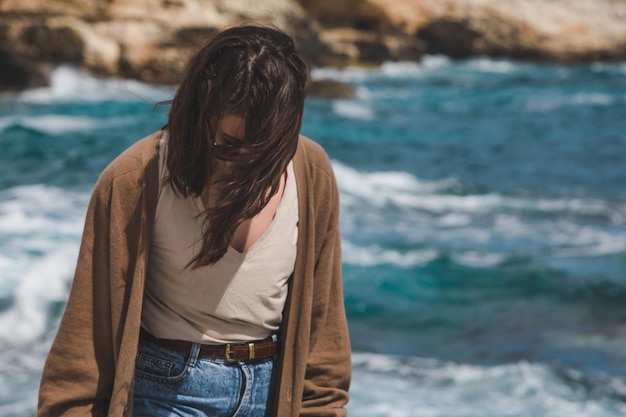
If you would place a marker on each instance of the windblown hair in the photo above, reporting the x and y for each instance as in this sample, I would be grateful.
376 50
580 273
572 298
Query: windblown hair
253 72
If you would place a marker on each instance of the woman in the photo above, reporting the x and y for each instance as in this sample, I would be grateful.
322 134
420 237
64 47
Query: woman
208 281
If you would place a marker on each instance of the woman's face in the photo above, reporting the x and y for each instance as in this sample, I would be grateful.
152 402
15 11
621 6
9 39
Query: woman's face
229 141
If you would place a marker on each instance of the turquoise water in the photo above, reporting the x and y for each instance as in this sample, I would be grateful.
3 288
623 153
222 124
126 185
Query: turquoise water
483 218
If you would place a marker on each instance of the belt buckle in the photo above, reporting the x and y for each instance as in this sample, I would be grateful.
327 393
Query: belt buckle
250 352
228 358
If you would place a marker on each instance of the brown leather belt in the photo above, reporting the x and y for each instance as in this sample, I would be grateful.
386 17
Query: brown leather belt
258 349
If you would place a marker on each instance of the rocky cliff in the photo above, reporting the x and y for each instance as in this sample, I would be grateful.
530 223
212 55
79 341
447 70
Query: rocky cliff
543 30
144 39
151 39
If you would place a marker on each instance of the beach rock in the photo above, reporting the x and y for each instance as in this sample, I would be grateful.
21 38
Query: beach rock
359 47
156 48
144 39
65 39
554 30
18 72
326 88
368 32
152 39
383 16
548 30
84 9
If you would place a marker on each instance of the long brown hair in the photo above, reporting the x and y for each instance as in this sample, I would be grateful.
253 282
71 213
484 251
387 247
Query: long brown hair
254 72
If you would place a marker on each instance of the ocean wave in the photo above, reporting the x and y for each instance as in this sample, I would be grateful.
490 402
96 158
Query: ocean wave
477 259
390 386
473 242
45 282
350 74
20 373
375 255
490 65
353 110
556 101
575 241
403 69
372 185
608 67
50 123
410 69
428 65
560 237
473 230
402 189
35 221
471 277
22 401
39 209
41 229
68 84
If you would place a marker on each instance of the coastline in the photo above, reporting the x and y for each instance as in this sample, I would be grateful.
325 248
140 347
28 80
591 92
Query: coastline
150 40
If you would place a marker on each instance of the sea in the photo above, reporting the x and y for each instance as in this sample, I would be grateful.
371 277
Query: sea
483 220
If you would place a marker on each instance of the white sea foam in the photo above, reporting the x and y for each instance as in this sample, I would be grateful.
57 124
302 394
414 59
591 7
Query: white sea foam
387 386
345 75
476 230
375 255
372 185
477 259
411 69
46 281
353 110
70 84
41 229
492 65
455 220
403 189
20 372
54 124
598 99
403 69
556 101
39 210
575 241
21 404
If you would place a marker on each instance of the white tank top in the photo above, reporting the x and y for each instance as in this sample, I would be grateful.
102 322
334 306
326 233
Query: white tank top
237 299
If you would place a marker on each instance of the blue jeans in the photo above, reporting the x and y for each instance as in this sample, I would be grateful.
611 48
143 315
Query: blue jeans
170 384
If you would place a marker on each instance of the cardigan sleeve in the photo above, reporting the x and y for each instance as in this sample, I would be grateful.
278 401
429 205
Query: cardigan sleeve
328 371
78 374
82 366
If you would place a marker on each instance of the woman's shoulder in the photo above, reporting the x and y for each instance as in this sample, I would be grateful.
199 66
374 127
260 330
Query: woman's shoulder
313 155
132 162
311 147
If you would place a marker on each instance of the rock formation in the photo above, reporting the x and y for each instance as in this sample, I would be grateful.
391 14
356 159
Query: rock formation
543 30
151 39
145 39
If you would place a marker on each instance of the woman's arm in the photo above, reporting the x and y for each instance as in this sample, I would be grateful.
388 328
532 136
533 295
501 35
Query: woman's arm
78 373
88 357
328 371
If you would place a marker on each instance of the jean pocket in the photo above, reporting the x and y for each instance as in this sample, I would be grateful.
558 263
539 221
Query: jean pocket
160 365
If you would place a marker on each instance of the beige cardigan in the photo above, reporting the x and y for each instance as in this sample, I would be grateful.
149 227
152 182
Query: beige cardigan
90 367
